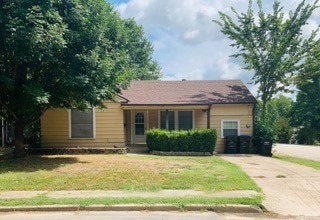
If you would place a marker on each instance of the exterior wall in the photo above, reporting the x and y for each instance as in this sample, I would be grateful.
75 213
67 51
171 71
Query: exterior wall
113 125
109 128
200 119
241 112
153 119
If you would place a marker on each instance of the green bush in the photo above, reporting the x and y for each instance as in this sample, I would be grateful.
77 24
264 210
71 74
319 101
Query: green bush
195 140
307 136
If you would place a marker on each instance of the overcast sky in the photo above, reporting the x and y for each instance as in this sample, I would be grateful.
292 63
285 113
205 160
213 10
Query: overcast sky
187 44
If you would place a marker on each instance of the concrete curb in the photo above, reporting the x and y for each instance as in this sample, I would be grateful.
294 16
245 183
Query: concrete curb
133 207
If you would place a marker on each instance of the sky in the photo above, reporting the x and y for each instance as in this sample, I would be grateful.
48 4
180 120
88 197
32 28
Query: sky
187 44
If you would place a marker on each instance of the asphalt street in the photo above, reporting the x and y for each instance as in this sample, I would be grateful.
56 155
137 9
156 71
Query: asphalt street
302 151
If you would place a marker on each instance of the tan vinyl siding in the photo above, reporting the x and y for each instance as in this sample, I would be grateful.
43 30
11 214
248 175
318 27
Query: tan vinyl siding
240 112
109 128
54 126
200 119
113 125
153 119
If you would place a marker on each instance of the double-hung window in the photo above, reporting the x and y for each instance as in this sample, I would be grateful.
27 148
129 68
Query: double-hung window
82 123
178 120
229 128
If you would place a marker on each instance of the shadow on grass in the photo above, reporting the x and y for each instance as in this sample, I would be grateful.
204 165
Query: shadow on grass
32 163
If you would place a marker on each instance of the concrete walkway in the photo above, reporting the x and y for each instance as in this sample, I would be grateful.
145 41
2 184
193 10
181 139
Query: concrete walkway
302 151
289 189
126 194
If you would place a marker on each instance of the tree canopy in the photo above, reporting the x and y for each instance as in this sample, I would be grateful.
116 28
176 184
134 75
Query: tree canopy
306 110
59 53
271 45
277 118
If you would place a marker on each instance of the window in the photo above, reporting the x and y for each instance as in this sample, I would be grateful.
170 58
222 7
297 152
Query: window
229 128
82 123
185 120
163 120
178 120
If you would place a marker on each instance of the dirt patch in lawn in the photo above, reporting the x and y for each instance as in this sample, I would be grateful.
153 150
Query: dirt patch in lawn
99 163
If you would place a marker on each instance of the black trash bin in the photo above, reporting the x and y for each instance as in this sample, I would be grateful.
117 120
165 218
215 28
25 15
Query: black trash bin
244 144
266 146
230 144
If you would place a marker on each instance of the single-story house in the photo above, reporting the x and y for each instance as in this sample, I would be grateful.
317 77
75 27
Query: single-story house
226 105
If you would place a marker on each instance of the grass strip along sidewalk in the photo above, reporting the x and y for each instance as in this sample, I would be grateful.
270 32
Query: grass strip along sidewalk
301 161
145 173
44 200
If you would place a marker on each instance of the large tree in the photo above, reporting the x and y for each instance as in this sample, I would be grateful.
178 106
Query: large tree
306 113
271 45
65 53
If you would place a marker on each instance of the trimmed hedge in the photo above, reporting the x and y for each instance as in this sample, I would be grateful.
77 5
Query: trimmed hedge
195 140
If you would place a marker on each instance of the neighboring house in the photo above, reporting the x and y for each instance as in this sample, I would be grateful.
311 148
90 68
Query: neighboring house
226 105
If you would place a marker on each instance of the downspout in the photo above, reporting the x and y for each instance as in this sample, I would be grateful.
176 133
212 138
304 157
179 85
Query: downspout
209 116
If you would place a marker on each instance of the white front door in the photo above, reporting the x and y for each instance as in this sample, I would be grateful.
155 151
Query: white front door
139 127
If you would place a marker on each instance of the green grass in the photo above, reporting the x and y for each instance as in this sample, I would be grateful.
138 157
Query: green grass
296 160
121 172
179 202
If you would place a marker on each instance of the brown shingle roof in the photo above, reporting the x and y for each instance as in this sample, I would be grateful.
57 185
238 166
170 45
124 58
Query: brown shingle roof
201 92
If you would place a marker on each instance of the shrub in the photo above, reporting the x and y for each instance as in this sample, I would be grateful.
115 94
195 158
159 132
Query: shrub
307 135
195 140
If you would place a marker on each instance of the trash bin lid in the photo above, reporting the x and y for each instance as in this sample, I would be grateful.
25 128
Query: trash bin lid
245 136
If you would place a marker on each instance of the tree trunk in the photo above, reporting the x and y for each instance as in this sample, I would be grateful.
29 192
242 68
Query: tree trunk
19 150
263 110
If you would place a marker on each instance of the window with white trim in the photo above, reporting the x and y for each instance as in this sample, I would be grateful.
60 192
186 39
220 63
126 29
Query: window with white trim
230 128
82 123
178 120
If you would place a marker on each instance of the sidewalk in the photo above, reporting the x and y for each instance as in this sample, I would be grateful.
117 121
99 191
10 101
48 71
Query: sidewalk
125 194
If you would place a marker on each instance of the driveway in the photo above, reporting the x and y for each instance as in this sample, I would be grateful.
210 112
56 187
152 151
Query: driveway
289 189
302 151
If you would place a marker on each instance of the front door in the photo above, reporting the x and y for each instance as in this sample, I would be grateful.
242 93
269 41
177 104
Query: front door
139 127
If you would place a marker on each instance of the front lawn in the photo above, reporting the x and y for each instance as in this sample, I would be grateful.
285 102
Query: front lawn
121 172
